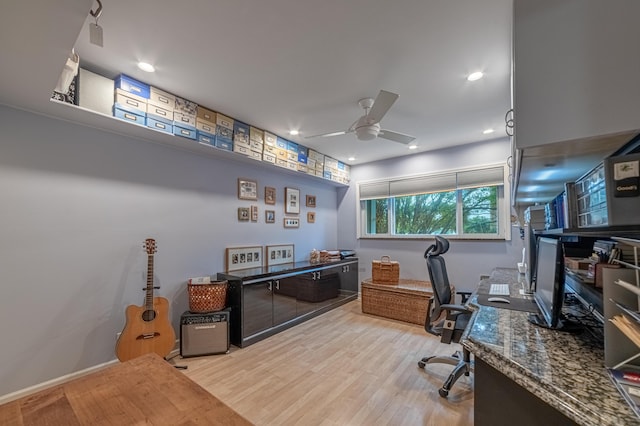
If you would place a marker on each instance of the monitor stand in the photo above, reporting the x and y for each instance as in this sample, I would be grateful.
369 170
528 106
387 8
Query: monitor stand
563 325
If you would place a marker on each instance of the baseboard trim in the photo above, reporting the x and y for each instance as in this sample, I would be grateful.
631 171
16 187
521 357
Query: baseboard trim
63 379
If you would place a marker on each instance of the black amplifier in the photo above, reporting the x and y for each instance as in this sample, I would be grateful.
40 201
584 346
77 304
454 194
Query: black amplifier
204 333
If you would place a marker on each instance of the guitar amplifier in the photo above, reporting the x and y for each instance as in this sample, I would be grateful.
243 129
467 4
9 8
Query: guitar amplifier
204 333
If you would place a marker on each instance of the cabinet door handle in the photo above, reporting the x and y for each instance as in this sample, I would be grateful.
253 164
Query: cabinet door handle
277 284
270 285
313 275
318 275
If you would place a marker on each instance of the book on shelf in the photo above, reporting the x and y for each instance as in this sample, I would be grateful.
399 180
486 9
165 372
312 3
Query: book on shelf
628 384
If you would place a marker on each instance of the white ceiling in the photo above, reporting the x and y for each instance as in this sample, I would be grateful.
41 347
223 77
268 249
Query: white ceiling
285 64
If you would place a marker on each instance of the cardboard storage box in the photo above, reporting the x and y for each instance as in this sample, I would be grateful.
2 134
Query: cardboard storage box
162 99
206 138
406 301
160 113
270 139
204 114
205 126
185 132
129 116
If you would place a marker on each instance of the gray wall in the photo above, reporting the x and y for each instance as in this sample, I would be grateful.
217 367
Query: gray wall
466 260
77 205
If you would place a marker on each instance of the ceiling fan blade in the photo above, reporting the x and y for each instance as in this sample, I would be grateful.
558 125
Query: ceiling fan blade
395 136
328 135
381 105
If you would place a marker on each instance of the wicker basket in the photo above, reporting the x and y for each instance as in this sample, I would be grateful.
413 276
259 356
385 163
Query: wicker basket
385 271
207 297
407 301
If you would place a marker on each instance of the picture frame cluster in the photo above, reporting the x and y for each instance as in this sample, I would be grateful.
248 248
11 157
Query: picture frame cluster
248 190
237 258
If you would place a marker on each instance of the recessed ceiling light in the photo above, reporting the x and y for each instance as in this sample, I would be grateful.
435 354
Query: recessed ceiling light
294 132
487 131
475 76
413 146
146 67
351 158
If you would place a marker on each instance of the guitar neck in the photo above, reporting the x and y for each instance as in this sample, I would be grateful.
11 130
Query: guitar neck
149 289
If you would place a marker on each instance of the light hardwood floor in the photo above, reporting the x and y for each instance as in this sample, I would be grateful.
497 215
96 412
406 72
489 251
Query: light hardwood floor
341 368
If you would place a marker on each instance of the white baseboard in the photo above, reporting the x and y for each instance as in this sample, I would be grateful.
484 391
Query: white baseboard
63 379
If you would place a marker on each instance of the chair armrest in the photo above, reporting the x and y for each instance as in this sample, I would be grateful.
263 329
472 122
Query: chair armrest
455 308
465 295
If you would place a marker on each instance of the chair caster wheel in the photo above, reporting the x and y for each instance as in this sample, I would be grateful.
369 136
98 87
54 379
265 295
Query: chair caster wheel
421 364
443 392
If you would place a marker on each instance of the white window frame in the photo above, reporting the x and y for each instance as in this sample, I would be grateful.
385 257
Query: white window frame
504 203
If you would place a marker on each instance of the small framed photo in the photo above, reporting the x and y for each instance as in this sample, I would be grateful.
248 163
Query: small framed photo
277 255
270 216
291 222
243 214
254 213
311 201
269 195
247 189
292 201
243 258
311 217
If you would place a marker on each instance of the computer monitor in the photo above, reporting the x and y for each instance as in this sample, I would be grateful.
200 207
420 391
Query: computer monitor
549 283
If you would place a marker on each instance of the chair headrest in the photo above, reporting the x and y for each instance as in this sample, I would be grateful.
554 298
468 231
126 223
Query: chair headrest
440 246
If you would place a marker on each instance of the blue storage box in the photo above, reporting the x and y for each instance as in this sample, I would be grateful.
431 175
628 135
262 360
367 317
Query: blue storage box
303 150
159 125
302 158
292 147
129 116
281 143
223 144
204 137
340 165
189 133
132 85
240 132
326 175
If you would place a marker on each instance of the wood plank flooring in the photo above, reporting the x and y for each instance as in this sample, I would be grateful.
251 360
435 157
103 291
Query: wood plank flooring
341 368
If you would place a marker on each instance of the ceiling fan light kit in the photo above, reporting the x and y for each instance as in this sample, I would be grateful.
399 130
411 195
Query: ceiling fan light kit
368 127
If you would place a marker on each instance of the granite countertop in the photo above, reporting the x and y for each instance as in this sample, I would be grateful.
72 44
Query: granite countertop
565 370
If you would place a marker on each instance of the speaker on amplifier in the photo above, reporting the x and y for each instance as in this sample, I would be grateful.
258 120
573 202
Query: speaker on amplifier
204 333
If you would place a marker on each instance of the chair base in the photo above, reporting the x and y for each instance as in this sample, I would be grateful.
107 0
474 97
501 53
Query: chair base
461 361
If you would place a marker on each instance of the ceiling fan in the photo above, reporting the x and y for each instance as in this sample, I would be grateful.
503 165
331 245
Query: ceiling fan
367 127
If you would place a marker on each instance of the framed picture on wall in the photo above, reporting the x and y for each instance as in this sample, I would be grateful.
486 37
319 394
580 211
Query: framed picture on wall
292 201
243 214
247 189
243 258
269 195
311 201
254 213
291 222
270 216
277 255
311 217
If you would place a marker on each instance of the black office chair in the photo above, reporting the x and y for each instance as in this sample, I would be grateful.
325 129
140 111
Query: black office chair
445 319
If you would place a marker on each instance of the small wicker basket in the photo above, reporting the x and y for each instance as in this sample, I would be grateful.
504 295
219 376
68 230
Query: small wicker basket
207 297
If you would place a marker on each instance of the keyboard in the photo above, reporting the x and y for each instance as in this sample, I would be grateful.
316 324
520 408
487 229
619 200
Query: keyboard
499 290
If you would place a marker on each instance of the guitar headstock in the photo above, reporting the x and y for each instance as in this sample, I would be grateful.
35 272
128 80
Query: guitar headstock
150 245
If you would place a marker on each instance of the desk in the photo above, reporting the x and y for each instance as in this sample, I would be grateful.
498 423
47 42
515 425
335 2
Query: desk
144 390
528 375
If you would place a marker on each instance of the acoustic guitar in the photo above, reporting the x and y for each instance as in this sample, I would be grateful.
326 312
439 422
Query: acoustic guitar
147 328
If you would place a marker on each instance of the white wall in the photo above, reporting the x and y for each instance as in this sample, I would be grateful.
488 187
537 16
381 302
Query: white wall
77 205
466 260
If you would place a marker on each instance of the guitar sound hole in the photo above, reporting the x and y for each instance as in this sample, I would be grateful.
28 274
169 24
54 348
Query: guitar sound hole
148 315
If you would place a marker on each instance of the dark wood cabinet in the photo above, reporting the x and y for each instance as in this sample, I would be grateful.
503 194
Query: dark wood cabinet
265 301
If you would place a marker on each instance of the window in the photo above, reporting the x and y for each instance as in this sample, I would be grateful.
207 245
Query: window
464 203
